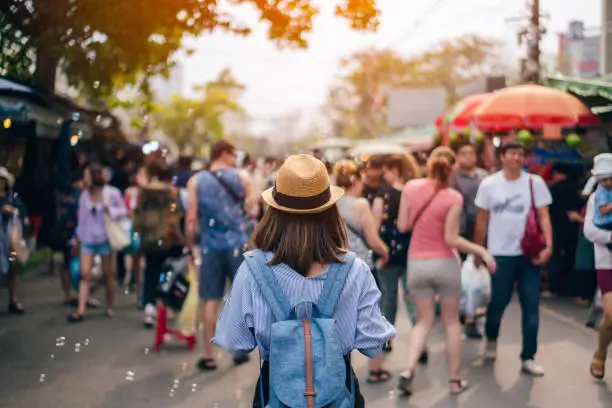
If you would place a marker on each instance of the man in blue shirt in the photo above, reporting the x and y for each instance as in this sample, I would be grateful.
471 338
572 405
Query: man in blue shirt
218 200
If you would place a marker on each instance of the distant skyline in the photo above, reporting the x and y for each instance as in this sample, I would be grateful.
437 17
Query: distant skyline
281 82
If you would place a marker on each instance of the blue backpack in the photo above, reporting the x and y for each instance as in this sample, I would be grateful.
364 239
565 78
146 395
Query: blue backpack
307 367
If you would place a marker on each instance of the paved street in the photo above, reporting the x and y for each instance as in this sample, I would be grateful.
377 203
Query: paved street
113 365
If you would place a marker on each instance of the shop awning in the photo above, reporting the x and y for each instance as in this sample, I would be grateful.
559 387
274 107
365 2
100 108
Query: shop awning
596 94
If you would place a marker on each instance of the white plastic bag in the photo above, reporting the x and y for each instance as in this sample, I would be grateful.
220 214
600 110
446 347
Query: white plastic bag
476 284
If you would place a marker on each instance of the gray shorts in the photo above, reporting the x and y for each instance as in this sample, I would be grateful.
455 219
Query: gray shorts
428 277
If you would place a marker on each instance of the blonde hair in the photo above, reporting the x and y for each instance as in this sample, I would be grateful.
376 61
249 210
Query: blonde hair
345 173
440 164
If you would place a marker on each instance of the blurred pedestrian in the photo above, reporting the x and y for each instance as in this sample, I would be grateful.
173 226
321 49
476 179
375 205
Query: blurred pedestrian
432 210
602 239
96 202
12 221
218 200
504 201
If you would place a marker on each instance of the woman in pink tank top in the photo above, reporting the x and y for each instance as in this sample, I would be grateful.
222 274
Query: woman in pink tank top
431 209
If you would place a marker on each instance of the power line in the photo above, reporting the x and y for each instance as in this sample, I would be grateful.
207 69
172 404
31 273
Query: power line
418 24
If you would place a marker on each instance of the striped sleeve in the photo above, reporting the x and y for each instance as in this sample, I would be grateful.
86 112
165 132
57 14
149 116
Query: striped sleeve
235 331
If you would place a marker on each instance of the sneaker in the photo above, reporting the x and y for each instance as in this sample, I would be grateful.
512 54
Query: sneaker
150 316
490 352
471 331
532 368
405 383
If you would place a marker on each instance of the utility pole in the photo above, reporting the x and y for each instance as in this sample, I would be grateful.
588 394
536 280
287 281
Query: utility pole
534 68
530 33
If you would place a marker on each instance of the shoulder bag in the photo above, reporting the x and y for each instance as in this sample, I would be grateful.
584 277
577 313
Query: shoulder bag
117 231
533 241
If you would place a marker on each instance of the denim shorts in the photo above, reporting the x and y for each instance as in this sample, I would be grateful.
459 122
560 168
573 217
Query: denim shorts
216 268
97 249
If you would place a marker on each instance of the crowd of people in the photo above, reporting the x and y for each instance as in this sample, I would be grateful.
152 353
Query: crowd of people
280 232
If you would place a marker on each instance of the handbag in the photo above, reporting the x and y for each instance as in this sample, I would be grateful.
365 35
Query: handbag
117 231
17 244
533 241
174 285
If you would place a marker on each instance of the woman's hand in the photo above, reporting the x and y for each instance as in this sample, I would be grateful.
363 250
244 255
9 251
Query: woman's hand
489 261
383 260
9 209
574 216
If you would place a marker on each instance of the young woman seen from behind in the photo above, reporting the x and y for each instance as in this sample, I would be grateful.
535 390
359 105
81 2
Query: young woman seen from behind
432 211
303 239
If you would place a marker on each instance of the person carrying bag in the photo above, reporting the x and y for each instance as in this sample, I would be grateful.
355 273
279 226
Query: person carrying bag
294 297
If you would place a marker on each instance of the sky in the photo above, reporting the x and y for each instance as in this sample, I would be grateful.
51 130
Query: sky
283 82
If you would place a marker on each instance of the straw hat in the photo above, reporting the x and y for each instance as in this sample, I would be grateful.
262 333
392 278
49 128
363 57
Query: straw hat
4 174
302 187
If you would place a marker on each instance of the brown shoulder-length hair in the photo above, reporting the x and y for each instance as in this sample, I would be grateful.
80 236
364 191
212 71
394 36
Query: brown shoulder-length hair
405 164
301 240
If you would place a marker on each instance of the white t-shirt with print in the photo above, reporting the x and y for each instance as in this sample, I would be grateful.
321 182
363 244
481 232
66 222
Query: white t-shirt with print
508 203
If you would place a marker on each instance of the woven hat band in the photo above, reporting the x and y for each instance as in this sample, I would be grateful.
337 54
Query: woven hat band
301 203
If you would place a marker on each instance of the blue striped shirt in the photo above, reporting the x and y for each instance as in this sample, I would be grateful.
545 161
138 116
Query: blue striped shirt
246 320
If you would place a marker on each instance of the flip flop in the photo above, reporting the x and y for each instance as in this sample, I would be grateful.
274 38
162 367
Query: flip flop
377 377
207 364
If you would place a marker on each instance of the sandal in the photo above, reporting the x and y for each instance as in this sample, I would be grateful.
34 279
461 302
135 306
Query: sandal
461 386
207 364
377 377
239 360
75 318
110 313
16 308
405 383
598 367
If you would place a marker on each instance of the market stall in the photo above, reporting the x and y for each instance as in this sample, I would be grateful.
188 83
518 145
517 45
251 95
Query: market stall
546 119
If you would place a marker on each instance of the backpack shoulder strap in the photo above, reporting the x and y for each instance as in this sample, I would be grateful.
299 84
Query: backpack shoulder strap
267 283
334 283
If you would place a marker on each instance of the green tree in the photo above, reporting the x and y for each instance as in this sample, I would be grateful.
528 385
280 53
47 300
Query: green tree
357 102
102 45
192 122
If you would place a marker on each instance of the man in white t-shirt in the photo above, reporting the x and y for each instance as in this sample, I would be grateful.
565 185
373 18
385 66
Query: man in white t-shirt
503 202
